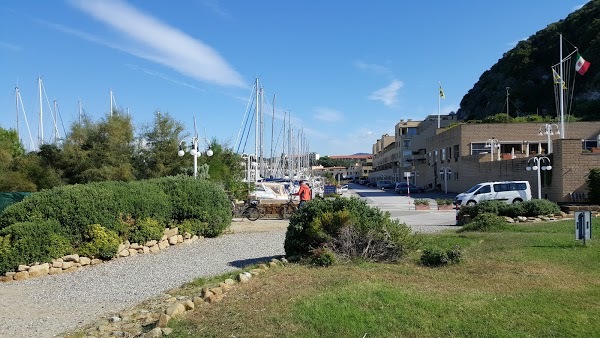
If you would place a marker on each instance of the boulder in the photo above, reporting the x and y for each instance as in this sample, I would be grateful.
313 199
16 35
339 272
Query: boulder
163 244
71 258
67 265
163 320
96 261
57 263
175 309
189 305
154 333
23 268
171 232
173 240
154 248
39 270
150 243
55 271
124 253
21 275
84 261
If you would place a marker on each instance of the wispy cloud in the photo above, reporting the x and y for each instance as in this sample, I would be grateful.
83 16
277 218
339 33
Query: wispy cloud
388 95
10 46
373 68
215 6
156 41
162 76
328 115
514 43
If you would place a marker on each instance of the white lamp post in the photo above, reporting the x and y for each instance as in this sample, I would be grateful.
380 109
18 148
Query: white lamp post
445 171
492 144
539 164
548 129
193 151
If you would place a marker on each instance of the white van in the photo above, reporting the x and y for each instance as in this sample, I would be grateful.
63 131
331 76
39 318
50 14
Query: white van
508 191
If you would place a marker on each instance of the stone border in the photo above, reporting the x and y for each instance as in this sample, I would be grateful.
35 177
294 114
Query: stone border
150 318
70 263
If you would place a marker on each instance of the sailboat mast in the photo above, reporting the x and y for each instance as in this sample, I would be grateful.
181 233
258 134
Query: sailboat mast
272 161
562 116
41 126
256 132
17 110
111 102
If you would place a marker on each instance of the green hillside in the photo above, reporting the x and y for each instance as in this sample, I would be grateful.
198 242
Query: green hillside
526 70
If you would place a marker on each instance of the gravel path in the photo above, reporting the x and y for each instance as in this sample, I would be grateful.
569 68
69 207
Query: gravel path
50 305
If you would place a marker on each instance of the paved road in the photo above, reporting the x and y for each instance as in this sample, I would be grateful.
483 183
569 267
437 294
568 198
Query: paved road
402 208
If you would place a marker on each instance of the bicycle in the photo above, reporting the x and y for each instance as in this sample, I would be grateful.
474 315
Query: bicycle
288 208
249 210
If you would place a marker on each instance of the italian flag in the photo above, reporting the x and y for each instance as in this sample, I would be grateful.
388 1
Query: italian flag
581 66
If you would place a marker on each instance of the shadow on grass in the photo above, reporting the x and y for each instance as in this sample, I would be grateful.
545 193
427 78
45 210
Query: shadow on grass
240 264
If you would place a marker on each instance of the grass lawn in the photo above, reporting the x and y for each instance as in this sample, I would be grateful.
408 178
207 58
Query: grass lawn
532 280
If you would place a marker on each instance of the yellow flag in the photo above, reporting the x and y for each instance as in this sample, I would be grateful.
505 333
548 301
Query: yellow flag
558 79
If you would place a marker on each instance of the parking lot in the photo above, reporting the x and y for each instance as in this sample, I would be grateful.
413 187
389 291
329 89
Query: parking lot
401 207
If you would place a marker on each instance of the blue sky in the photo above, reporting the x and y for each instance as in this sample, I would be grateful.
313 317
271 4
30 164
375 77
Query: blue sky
346 71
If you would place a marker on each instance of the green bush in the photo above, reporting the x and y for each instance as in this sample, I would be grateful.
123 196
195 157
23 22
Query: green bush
593 185
100 243
436 256
485 222
421 201
197 199
539 207
444 201
350 228
323 257
29 242
194 227
145 230
534 207
75 207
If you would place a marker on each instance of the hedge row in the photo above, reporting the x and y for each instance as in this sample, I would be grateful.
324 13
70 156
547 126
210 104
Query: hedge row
532 208
93 219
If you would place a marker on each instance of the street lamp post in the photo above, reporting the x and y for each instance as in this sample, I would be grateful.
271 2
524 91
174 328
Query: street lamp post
539 164
548 129
193 151
445 171
492 144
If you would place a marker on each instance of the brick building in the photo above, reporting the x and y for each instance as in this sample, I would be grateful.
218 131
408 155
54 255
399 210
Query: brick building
467 154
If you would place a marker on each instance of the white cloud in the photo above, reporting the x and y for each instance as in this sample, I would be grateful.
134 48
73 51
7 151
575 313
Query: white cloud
374 68
10 46
328 115
162 76
156 41
514 43
388 95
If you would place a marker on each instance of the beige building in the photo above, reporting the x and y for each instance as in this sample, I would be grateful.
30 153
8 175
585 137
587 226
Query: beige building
385 159
467 154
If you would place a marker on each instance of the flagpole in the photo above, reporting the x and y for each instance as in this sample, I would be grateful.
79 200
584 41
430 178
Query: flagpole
439 99
562 117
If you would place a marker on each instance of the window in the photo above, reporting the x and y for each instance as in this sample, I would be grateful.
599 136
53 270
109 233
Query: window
501 187
456 152
444 154
479 148
485 189
407 143
456 175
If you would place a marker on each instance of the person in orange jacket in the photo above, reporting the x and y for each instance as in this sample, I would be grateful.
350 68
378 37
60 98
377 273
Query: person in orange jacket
304 193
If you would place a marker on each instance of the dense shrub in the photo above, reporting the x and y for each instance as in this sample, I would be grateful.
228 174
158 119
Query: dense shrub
197 199
593 185
532 208
75 207
350 228
145 230
435 256
485 222
539 207
323 257
100 242
29 242
193 227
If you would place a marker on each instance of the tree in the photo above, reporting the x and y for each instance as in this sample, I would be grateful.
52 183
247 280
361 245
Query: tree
157 148
100 151
226 167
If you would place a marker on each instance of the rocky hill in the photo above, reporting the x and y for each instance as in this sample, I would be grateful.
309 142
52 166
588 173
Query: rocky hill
526 70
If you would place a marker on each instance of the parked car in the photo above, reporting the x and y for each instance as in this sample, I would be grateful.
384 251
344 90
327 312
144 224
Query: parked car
383 185
342 189
508 191
404 188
